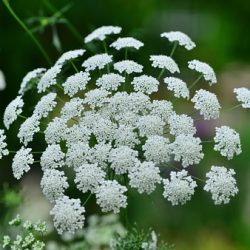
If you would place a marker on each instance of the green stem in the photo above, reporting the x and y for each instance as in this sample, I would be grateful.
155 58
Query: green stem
161 73
173 49
85 202
74 66
234 107
20 22
106 51
195 82
126 53
202 180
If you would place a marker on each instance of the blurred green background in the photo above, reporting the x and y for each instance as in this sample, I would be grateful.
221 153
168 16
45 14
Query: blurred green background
221 32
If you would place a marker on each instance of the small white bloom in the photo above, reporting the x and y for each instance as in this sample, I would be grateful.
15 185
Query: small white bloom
97 61
3 144
73 108
145 84
126 42
110 81
227 142
75 83
151 245
179 87
203 68
243 96
68 215
96 98
2 81
21 162
180 37
221 183
138 103
110 196
164 62
207 103
70 55
188 149
144 177
49 78
12 111
128 66
101 33
126 136
162 108
179 188
88 177
157 149
53 184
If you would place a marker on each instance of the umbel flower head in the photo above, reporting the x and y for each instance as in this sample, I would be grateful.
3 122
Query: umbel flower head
103 127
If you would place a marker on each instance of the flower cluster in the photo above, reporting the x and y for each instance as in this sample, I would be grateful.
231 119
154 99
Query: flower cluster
104 129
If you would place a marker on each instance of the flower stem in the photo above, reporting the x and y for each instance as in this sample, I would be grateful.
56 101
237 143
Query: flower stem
85 202
173 49
106 51
234 107
161 73
195 82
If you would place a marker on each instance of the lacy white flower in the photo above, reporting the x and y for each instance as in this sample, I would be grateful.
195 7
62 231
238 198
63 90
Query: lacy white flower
164 62
68 215
126 42
97 62
26 83
21 162
138 102
75 83
151 245
73 108
180 37
227 142
70 55
179 188
53 184
181 124
187 149
145 84
102 32
221 183
206 71
96 97
122 159
3 144
110 81
128 66
28 129
12 111
207 103
243 96
2 81
46 104
157 149
162 108
88 177
52 157
179 87
110 196
126 136
49 78
144 177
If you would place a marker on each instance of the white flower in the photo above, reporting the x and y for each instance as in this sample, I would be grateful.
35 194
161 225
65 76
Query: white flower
68 215
27 81
181 38
126 42
28 129
88 177
151 245
157 149
162 108
122 159
70 55
96 98
12 111
179 188
97 61
138 102
227 142
53 184
179 87
206 71
144 177
207 103
221 184
150 125
3 144
52 157
181 124
126 136
243 96
2 81
110 81
75 83
145 84
21 162
187 149
110 196
45 105
101 33
128 66
164 62
49 78
73 108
